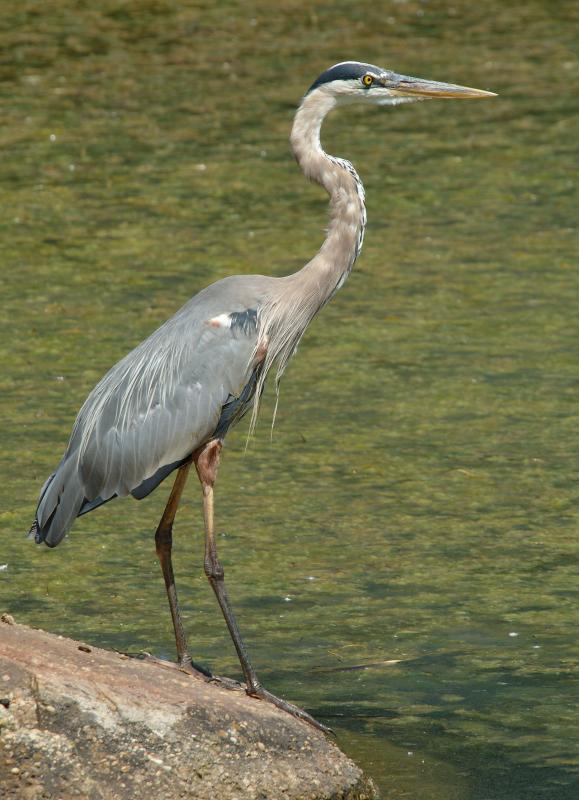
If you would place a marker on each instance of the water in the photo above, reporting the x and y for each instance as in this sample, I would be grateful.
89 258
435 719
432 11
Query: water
418 502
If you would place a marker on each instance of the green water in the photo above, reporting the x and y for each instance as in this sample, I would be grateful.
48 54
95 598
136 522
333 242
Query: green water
418 501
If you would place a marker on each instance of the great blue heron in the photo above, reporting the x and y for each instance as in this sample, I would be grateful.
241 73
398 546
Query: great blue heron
170 402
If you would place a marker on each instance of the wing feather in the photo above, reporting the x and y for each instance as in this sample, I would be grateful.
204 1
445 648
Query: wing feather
150 416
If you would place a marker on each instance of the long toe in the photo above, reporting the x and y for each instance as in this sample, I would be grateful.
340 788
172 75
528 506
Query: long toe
299 713
185 666
227 683
188 665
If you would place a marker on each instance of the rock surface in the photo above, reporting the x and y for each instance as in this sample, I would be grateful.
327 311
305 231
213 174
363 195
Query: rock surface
80 722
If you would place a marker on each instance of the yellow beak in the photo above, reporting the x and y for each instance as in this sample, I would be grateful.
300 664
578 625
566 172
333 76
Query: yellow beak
403 86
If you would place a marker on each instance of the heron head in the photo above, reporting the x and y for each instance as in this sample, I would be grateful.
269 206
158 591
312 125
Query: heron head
355 82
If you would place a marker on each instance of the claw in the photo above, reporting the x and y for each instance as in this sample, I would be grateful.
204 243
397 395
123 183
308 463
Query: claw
299 713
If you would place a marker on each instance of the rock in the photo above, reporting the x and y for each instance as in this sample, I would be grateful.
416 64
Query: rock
81 722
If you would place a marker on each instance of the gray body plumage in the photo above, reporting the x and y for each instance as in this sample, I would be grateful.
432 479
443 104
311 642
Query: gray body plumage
159 403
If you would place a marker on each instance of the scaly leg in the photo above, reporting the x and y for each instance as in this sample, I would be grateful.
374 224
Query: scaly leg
163 546
206 461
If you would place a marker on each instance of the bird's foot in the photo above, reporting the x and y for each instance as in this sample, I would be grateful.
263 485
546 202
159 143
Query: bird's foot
262 694
187 664
183 665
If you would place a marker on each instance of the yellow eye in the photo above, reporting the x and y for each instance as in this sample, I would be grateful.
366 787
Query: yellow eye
368 80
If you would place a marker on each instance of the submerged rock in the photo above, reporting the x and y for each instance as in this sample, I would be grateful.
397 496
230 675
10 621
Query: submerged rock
78 721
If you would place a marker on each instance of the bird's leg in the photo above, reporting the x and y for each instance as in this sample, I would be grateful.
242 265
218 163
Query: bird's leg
206 461
163 546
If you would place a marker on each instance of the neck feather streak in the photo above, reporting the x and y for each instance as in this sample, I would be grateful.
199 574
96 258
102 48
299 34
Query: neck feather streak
333 262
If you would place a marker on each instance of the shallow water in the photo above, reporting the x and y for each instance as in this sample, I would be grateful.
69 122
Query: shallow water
418 501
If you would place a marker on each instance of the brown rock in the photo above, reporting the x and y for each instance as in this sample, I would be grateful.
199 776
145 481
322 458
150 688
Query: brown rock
81 722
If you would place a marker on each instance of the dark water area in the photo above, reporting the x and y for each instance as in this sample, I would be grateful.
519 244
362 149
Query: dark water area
402 554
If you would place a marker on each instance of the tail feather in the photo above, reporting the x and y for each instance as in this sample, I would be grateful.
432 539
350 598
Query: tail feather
60 501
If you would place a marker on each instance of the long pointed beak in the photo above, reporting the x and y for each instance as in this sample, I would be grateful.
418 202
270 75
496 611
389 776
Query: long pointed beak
404 86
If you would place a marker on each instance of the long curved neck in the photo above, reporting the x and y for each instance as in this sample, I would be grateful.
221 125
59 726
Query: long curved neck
332 264
296 299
